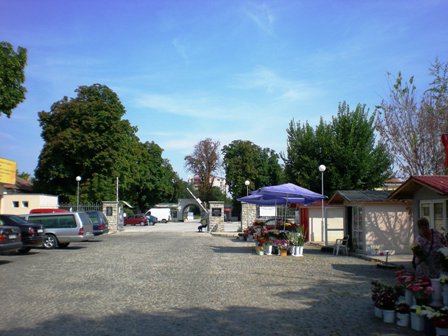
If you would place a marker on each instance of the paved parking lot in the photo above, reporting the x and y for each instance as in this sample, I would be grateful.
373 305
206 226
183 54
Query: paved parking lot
185 283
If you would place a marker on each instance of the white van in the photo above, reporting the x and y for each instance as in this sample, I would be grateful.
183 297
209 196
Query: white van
163 214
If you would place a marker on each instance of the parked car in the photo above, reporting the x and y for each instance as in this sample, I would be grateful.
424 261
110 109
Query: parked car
63 228
99 221
10 239
47 210
136 219
152 220
32 234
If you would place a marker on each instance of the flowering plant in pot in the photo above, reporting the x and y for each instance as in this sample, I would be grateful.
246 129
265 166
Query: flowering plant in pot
383 296
387 298
444 280
439 319
422 290
402 308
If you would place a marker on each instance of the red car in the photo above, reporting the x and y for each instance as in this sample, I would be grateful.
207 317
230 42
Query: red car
136 219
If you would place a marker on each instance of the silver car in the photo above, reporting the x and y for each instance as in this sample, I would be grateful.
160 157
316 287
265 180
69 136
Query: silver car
63 228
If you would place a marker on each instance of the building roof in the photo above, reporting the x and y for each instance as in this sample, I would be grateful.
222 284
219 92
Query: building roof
21 185
437 183
359 196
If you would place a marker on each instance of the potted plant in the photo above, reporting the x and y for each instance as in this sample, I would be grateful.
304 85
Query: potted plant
282 246
386 301
403 311
439 320
268 247
422 290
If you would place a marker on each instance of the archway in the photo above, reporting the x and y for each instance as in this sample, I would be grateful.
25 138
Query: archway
191 212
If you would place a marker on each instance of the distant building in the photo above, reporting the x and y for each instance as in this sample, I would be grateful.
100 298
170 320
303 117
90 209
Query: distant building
18 198
219 182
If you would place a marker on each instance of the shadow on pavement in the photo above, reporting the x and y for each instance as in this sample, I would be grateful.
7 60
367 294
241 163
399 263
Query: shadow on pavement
202 321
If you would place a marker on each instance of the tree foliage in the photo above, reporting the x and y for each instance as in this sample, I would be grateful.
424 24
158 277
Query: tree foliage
244 160
410 128
12 76
204 162
86 136
347 148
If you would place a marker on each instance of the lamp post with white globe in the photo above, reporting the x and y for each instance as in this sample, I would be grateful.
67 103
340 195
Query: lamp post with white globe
246 183
78 179
322 169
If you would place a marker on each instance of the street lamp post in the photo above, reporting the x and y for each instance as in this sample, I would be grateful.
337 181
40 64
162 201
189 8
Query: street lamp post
322 169
246 183
78 179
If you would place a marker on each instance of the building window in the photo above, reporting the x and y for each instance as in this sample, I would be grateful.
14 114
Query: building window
15 204
24 204
435 212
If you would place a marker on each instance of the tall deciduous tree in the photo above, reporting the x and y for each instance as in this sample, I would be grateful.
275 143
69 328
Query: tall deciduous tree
244 160
346 146
12 76
203 162
411 127
86 136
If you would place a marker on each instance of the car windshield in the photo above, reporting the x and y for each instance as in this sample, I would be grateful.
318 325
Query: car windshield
17 220
93 217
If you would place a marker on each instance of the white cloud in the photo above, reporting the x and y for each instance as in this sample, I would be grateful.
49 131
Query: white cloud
272 83
261 15
197 106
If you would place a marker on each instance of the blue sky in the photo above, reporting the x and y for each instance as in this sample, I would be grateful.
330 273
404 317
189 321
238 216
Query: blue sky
226 70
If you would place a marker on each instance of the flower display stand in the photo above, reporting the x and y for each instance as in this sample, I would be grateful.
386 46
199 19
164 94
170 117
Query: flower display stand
378 312
403 320
417 322
388 316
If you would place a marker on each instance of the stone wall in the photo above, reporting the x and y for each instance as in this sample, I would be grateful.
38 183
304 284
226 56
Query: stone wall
216 216
248 214
114 214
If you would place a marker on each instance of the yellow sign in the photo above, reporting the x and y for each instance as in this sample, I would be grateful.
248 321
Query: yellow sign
7 171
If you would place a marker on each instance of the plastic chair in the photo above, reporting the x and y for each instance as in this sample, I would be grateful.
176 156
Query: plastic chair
341 244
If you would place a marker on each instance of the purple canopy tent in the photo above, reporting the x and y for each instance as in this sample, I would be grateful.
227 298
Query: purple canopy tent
289 190
260 199
282 194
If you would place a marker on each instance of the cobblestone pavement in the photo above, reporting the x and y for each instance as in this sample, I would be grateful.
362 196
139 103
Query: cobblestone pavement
186 283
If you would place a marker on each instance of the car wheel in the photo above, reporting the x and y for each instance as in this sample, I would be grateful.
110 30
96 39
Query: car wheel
24 250
50 241
63 245
163 220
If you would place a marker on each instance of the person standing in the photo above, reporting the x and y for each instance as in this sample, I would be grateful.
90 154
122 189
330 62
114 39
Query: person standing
427 257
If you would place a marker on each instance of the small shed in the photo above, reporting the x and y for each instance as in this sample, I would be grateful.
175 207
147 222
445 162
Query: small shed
375 222
429 198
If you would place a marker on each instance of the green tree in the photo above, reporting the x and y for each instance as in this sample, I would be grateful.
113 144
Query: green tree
204 162
85 136
410 126
155 181
346 146
244 160
12 76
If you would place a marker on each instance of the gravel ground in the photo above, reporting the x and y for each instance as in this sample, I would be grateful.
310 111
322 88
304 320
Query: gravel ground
186 283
